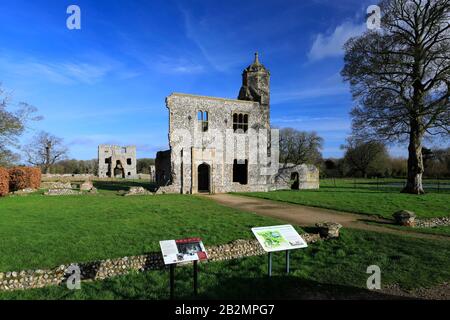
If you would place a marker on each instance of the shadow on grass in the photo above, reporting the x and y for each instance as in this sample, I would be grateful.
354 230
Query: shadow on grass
288 288
123 185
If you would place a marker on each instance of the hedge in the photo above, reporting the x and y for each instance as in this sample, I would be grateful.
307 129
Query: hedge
23 178
18 179
4 182
34 177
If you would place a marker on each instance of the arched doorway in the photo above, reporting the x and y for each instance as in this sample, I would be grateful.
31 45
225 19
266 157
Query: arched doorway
295 181
203 178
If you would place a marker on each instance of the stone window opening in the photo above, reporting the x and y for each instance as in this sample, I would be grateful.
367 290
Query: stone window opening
129 161
240 122
240 171
202 118
107 160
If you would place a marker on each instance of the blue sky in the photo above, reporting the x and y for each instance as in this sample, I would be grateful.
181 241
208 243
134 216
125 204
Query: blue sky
107 82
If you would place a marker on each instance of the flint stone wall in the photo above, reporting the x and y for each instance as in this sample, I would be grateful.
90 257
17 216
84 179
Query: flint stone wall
308 177
102 269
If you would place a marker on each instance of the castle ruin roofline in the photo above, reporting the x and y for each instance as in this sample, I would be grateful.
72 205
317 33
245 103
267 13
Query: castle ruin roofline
177 94
115 146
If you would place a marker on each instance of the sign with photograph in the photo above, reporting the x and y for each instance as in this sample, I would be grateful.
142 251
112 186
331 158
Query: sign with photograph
183 251
279 238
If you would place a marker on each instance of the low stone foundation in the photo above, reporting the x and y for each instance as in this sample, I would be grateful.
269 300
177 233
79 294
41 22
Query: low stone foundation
102 269
433 222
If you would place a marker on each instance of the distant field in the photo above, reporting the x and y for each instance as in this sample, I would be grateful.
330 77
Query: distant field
369 196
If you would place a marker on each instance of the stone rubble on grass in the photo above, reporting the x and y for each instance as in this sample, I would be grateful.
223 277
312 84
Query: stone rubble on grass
99 270
93 190
137 191
24 191
86 186
405 218
433 222
56 185
62 192
329 230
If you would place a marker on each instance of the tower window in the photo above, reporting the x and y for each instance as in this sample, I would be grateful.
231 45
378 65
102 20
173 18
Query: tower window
202 118
240 122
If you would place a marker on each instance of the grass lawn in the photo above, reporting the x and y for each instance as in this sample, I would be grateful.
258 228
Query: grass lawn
366 197
40 232
330 269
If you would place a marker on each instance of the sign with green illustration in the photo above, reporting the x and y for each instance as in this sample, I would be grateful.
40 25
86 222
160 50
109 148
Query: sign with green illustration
279 238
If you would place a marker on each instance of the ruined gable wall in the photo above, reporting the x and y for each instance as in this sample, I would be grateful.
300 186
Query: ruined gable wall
183 112
117 153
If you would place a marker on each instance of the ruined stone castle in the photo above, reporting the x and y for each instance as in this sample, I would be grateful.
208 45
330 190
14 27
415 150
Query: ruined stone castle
117 162
225 145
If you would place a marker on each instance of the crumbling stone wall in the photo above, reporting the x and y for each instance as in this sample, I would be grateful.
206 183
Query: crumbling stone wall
209 147
297 177
117 162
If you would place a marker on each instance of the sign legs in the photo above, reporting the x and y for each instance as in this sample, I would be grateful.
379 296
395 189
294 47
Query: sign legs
270 265
172 280
195 277
287 261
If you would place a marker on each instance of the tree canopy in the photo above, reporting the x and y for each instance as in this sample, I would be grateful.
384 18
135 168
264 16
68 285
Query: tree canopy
400 78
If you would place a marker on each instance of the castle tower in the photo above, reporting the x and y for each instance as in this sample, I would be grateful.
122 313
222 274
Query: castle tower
256 86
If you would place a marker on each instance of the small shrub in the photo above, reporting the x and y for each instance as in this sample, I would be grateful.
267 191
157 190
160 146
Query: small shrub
4 182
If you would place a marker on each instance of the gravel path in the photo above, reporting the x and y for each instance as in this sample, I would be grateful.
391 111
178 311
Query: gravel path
309 216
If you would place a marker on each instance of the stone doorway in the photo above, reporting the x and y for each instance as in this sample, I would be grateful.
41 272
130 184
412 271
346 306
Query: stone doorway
119 171
295 181
204 178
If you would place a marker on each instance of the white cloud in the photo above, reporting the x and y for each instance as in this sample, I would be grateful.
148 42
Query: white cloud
331 45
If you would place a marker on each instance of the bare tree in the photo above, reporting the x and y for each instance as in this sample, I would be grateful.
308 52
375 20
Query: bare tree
299 147
400 78
13 121
45 150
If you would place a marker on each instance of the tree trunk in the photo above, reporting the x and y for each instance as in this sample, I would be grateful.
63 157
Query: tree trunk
415 162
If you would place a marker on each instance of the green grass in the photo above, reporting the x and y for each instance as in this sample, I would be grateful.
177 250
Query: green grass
441 230
40 232
330 269
43 232
366 197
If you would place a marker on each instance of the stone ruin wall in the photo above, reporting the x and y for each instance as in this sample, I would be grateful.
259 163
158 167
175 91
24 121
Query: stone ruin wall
183 109
110 156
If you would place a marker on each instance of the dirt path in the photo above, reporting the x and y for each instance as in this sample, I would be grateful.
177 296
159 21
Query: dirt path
309 216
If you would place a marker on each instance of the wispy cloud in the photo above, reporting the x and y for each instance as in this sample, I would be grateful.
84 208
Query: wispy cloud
331 45
308 93
63 72
321 125
216 43
165 64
